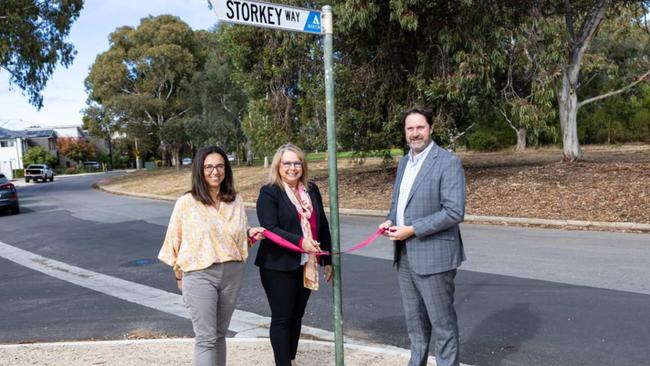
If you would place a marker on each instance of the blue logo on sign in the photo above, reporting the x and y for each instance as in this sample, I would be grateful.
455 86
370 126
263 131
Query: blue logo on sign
313 22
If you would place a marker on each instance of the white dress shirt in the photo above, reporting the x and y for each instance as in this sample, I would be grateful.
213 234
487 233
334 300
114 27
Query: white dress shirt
413 165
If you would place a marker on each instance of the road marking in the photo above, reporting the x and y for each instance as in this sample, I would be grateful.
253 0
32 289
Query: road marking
150 297
245 324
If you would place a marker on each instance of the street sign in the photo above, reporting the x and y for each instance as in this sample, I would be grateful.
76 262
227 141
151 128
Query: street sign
268 15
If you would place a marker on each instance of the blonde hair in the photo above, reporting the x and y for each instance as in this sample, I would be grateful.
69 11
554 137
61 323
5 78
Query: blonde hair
274 173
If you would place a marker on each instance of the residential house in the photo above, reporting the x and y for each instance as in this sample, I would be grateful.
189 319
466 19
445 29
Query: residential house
45 138
13 145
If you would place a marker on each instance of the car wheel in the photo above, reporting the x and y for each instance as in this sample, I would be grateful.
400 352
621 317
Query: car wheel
15 210
52 178
26 180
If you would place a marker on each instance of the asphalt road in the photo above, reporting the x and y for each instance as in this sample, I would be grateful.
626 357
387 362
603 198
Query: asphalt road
524 297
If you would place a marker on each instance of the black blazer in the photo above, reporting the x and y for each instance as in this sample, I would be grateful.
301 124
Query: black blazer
276 213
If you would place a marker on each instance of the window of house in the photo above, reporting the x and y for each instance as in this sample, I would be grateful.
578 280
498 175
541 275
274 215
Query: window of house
6 143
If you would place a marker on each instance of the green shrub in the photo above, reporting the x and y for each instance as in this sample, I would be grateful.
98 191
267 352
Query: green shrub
482 141
70 170
18 173
38 155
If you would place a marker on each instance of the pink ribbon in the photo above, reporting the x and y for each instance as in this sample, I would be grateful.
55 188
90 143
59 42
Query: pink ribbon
364 243
277 239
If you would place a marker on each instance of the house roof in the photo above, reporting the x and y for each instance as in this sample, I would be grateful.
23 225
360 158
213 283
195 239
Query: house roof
8 134
39 133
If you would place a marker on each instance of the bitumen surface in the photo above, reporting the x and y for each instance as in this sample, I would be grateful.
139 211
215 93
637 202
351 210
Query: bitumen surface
524 297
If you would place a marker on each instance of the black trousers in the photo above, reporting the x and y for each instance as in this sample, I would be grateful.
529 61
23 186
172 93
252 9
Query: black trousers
288 299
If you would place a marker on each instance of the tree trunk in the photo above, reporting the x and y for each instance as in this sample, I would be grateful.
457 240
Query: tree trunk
110 153
249 152
176 160
521 139
568 105
580 38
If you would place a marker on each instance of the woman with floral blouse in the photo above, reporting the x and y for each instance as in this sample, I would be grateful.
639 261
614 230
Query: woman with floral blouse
207 244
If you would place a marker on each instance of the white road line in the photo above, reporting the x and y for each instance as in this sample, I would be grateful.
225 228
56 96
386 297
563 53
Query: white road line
243 323
126 290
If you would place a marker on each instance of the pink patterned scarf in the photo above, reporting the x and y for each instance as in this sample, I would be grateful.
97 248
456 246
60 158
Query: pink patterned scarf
305 210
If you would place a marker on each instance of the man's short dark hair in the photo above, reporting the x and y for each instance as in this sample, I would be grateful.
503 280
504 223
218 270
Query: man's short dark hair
425 112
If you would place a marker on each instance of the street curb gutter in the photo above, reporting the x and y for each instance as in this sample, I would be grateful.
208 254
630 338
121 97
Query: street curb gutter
500 220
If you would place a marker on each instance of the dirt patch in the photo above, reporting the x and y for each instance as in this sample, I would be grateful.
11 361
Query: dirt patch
147 334
611 184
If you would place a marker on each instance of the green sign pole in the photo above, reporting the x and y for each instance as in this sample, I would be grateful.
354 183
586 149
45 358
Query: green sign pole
328 30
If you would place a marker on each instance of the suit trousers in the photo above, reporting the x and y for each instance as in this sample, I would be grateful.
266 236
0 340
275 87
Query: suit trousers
288 299
211 295
428 302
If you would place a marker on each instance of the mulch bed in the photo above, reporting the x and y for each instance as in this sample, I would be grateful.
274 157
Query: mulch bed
611 184
607 186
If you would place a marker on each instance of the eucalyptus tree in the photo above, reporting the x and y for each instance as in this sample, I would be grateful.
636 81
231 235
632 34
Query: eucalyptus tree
582 20
33 41
146 73
446 54
526 92
220 104
103 123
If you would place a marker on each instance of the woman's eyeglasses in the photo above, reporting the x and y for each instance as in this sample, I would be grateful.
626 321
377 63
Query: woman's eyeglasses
208 169
289 164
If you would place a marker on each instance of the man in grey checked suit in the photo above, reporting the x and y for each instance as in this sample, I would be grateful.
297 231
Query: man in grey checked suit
428 203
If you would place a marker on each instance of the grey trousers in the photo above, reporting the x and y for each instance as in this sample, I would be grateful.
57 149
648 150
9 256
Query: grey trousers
210 295
428 302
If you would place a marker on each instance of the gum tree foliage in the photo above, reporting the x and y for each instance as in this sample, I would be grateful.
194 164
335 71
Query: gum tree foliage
467 59
526 99
32 41
103 123
443 54
145 76
219 103
388 56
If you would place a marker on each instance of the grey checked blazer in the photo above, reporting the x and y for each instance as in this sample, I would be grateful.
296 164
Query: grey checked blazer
435 207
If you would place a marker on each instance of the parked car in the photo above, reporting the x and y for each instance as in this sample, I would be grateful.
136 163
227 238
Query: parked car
187 161
8 196
92 166
231 157
38 171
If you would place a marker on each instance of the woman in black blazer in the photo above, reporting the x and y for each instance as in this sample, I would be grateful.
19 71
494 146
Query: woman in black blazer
292 208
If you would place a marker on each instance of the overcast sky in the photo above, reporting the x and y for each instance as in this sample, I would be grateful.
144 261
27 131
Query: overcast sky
64 96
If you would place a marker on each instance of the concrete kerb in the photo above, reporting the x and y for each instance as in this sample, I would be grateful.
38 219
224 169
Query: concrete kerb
500 220
161 351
